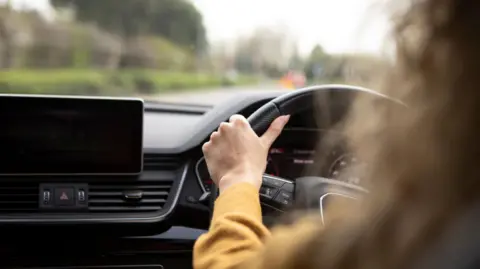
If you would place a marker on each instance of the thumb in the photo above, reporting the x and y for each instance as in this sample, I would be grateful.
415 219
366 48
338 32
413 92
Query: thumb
274 130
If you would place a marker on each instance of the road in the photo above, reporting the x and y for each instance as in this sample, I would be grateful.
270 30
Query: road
212 96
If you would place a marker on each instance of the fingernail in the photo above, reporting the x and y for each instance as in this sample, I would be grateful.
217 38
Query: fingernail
285 118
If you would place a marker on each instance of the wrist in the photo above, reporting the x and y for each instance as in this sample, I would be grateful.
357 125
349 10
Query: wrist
232 179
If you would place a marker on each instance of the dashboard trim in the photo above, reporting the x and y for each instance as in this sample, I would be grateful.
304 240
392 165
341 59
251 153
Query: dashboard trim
332 193
117 220
197 175
182 109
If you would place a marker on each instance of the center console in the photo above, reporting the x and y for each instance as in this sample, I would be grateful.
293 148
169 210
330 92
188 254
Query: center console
76 184
78 160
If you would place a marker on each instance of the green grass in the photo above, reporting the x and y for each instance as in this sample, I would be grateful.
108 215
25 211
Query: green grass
104 82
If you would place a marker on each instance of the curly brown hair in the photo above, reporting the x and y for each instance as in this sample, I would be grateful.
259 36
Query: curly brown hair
423 160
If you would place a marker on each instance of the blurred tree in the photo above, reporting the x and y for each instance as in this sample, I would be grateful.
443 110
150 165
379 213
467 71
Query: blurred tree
179 21
266 50
244 62
296 61
176 20
157 53
316 63
6 36
14 34
317 53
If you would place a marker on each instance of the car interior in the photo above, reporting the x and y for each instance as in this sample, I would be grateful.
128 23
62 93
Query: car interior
97 182
91 181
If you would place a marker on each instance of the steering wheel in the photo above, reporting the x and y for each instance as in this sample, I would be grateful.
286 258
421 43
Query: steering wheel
310 192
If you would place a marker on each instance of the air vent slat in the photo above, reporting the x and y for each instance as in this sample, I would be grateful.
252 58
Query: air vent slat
152 188
18 202
10 188
17 210
160 162
106 209
120 194
157 175
18 197
120 201
3 195
128 187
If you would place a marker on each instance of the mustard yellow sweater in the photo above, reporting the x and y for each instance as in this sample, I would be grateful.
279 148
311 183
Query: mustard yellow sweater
238 239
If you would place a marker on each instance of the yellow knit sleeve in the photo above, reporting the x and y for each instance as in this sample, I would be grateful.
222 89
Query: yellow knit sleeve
238 239
236 231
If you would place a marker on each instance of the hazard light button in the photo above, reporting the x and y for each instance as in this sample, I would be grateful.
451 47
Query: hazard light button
64 196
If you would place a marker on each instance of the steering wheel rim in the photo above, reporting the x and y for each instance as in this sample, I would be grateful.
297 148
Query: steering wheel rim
300 100
292 103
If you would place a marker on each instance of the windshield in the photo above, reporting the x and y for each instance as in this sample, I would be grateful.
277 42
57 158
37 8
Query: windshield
187 51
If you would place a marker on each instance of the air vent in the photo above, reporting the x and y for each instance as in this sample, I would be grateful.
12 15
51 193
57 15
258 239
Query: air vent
148 193
160 162
18 197
142 196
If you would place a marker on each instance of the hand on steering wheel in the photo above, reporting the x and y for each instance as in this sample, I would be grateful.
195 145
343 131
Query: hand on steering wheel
225 152
235 153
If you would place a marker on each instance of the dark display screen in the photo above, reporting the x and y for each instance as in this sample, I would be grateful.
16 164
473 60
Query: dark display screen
54 135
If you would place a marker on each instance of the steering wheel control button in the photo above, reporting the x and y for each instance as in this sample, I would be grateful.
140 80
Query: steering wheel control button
64 196
273 182
284 198
268 192
285 195
288 187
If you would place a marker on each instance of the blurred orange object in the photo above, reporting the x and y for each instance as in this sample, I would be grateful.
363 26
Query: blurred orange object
287 83
293 80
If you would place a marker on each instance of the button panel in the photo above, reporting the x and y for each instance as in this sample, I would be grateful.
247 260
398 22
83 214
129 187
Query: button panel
268 192
285 198
277 192
63 196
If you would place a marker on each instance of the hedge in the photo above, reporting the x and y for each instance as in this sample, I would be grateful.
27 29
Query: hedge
101 82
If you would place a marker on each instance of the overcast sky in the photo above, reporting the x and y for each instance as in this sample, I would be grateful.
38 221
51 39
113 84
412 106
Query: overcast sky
338 25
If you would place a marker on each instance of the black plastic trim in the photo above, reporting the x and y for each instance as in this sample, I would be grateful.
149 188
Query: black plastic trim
89 218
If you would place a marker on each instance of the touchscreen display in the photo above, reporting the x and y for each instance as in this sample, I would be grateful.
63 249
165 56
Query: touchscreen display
55 135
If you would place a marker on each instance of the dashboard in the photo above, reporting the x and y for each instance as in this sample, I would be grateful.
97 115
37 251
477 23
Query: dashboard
174 175
167 192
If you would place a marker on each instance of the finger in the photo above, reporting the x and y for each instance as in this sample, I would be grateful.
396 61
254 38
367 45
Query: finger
206 147
224 126
239 120
214 136
274 130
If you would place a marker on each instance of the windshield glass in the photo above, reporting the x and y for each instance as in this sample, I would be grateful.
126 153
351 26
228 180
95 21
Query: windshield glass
188 51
